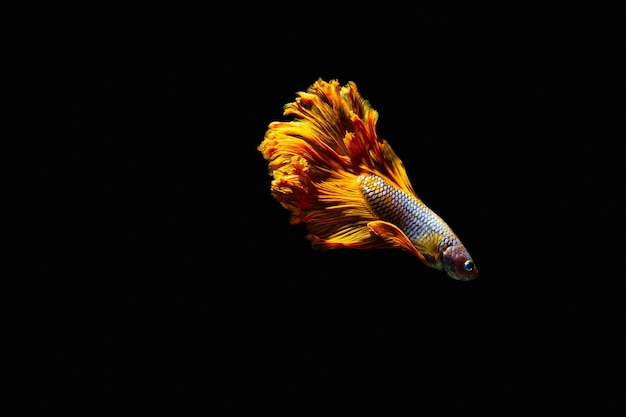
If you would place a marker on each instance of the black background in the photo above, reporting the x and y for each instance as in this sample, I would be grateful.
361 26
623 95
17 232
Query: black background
156 272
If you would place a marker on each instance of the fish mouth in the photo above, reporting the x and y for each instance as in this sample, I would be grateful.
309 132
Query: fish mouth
463 277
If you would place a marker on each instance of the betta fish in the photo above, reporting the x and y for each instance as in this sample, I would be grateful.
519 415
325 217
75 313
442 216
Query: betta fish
332 172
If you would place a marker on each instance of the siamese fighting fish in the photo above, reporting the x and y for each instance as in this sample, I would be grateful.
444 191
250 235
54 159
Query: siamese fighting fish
332 172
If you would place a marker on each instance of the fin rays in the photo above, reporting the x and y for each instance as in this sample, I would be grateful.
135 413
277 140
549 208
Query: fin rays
315 160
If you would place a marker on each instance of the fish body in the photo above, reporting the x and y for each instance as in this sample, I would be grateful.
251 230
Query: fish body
332 172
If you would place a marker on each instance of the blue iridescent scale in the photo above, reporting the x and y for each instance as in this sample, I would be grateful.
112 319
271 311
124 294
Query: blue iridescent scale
408 213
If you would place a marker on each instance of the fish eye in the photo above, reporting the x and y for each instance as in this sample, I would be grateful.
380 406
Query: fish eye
468 265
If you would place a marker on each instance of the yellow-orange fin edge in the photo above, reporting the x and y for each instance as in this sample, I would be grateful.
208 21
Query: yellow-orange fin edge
393 234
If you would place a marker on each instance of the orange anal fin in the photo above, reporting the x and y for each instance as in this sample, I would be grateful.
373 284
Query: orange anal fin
393 234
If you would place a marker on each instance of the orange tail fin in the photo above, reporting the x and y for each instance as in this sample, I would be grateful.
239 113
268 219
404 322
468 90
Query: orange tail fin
315 161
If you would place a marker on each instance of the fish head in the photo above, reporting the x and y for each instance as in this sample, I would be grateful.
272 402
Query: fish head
458 263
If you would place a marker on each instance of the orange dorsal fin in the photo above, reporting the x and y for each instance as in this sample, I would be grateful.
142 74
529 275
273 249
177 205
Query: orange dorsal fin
341 129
